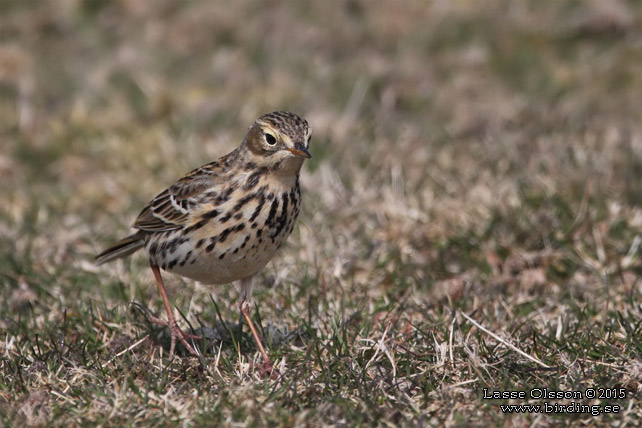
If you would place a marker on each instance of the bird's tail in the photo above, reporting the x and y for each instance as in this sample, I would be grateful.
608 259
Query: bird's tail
122 248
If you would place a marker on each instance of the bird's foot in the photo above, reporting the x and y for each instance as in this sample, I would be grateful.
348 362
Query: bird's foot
267 369
176 333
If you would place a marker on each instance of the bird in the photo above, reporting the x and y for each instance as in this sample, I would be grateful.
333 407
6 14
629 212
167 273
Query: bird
224 221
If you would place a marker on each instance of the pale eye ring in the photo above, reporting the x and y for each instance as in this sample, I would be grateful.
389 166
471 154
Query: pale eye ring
270 139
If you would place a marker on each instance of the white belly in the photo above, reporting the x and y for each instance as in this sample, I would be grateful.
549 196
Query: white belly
212 269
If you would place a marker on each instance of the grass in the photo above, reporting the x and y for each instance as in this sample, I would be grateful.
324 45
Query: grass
471 215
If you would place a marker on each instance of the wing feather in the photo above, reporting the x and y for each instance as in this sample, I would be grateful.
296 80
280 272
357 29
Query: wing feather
170 209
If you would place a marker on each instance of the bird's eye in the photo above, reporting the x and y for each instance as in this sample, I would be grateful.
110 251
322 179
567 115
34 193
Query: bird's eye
270 139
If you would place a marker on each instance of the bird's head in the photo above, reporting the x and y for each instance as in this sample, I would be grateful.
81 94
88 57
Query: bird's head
278 141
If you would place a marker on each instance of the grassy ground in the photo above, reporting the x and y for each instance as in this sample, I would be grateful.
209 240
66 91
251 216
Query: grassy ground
471 218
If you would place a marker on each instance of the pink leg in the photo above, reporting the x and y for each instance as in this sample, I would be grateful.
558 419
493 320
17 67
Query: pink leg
245 311
175 331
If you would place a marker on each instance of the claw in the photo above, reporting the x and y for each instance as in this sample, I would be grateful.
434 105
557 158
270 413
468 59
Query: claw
176 332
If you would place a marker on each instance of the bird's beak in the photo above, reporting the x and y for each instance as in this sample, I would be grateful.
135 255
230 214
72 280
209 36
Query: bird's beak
300 150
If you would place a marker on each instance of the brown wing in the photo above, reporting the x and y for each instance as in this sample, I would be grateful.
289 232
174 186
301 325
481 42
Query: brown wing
171 209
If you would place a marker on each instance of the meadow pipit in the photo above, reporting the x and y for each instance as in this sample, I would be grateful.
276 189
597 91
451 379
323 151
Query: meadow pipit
224 221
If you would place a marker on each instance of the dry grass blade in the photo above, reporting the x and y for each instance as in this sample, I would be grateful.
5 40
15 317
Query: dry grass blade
506 343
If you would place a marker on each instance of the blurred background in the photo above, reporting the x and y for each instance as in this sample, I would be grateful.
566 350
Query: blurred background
478 155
